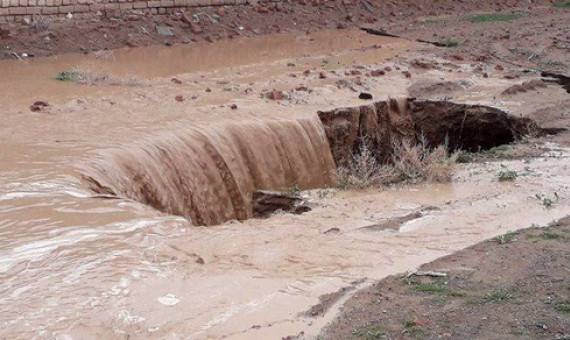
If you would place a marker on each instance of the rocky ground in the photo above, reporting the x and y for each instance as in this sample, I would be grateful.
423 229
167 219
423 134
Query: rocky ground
44 37
514 285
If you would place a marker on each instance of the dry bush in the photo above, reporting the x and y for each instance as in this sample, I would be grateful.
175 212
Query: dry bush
417 162
364 171
410 163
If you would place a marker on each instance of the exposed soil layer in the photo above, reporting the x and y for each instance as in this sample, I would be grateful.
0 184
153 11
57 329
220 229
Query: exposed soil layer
460 126
515 285
215 23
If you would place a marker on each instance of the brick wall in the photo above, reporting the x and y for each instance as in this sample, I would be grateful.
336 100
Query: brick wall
16 10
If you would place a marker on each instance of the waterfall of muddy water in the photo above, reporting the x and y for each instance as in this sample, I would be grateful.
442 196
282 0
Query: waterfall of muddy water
208 175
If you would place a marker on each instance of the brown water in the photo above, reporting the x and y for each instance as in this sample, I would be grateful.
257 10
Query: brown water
76 265
208 175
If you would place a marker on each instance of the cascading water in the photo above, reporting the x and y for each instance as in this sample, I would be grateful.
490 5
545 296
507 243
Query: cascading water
208 175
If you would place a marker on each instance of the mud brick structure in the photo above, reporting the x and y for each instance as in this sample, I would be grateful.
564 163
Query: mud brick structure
16 10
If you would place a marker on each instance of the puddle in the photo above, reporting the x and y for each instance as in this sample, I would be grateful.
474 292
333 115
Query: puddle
33 79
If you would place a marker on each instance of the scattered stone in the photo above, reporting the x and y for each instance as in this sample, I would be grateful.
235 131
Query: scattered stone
306 72
388 69
200 260
511 76
303 88
407 74
322 75
186 18
4 33
208 89
267 202
377 73
195 28
499 68
38 106
176 81
169 300
179 98
365 96
421 64
341 26
233 107
274 95
334 230
164 31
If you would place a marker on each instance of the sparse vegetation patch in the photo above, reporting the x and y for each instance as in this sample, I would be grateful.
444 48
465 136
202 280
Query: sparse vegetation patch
487 17
409 163
562 4
507 176
85 77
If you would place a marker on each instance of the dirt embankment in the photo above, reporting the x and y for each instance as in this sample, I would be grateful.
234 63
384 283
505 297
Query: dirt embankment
44 37
514 285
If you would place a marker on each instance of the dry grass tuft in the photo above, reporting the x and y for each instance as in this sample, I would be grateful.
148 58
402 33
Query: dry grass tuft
410 163
417 162
364 171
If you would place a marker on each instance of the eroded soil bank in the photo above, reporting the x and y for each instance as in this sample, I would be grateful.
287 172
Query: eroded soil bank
514 285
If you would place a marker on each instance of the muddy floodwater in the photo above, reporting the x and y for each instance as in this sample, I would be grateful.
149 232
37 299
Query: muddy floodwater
79 264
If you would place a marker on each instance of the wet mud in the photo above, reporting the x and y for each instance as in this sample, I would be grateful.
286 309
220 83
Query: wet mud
74 263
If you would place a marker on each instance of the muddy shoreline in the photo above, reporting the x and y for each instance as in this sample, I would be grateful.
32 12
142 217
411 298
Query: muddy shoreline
513 285
63 36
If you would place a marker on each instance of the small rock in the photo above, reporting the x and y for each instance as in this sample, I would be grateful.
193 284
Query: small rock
499 68
164 31
322 75
407 74
169 300
186 19
4 33
365 96
38 106
341 26
208 89
377 73
306 72
233 107
274 95
332 230
176 81
179 98
197 29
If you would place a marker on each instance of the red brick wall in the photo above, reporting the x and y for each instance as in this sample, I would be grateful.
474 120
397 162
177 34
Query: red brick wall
11 10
